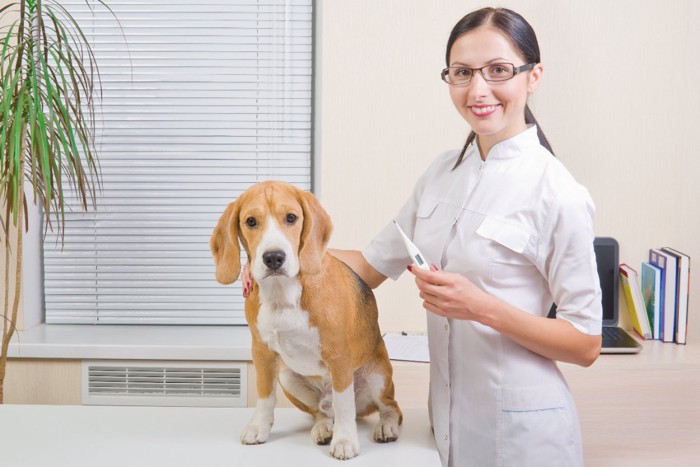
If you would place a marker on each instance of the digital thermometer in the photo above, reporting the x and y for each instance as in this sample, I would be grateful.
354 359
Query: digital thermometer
413 250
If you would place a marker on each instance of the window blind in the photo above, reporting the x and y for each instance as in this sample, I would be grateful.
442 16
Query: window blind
201 99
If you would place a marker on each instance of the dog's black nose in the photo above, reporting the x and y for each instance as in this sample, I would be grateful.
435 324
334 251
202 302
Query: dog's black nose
274 259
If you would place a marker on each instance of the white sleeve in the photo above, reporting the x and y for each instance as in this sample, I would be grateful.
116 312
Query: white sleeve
386 251
567 259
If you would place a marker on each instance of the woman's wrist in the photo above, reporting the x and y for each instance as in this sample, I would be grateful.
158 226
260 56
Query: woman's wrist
482 310
493 312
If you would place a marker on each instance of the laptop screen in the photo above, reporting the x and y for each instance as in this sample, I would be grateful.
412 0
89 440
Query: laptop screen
607 257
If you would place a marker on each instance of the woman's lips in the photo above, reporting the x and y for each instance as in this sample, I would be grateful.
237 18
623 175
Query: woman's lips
483 110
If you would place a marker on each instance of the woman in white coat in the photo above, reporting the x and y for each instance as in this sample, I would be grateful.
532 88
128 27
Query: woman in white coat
510 231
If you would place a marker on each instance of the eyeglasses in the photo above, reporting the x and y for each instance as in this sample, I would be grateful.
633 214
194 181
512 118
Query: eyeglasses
462 75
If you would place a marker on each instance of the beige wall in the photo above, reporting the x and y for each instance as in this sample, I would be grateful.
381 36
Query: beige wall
618 101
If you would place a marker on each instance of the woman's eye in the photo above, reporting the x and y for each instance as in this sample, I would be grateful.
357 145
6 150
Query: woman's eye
251 222
291 218
498 70
463 72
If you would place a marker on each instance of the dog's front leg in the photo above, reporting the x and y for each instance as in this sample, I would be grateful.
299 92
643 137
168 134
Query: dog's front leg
344 444
265 362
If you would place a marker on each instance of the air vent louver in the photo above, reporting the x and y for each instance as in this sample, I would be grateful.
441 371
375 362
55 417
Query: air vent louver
164 383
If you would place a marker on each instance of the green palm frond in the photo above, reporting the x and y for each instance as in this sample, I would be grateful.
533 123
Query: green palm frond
50 86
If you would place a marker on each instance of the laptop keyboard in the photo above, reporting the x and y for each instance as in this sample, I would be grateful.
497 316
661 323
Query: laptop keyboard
616 340
613 334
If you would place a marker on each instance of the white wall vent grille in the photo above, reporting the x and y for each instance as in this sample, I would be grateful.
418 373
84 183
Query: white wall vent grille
165 384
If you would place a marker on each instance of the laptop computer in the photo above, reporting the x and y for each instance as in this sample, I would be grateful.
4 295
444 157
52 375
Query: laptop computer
615 339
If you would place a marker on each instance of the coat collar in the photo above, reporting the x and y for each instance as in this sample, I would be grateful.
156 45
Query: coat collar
512 147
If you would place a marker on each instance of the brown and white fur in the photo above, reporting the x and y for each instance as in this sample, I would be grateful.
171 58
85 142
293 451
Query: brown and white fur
312 312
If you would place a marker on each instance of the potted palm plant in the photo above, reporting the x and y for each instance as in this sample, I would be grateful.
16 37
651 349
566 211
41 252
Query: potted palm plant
49 89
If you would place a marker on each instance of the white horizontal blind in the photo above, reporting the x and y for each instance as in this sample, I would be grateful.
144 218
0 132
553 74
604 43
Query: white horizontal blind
201 99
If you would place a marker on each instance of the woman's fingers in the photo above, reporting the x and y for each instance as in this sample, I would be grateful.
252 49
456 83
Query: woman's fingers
247 280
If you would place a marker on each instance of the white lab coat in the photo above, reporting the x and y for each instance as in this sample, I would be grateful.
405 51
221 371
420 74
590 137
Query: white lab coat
519 227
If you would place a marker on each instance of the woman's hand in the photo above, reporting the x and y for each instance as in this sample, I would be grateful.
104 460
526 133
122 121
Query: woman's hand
247 280
450 295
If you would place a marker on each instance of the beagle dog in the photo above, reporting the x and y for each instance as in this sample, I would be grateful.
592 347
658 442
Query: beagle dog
310 311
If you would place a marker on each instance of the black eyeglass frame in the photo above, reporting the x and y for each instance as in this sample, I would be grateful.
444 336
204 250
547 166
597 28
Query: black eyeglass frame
516 70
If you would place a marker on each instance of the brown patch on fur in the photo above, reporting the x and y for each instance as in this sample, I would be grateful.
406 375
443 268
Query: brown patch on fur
224 245
265 359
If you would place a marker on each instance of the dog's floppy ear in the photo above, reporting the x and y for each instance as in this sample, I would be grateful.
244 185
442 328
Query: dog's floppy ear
224 245
315 233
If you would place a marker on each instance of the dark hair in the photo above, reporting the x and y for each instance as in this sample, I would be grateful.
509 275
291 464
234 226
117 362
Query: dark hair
522 37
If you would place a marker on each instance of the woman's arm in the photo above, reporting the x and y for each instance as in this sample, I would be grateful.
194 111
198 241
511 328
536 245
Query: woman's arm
357 262
557 339
454 296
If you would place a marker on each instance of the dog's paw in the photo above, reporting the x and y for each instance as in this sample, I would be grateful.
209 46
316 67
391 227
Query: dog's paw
255 434
344 448
386 430
322 432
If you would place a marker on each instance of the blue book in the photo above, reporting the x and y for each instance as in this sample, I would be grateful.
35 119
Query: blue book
651 291
682 293
667 264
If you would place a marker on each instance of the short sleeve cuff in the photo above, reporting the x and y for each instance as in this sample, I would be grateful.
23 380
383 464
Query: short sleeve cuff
373 253
584 325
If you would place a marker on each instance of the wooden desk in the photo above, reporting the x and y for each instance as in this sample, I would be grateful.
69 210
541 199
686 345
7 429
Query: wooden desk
84 436
640 410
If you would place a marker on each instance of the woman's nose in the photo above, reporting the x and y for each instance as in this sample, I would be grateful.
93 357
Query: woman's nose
478 82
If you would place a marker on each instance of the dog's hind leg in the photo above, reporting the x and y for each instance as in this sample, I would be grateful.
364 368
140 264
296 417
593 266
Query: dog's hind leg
322 432
380 388
313 396
390 416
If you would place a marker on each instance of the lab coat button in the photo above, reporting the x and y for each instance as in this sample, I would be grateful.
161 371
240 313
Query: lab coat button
447 327
446 437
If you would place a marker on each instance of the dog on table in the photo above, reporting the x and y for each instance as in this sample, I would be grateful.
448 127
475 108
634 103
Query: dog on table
312 312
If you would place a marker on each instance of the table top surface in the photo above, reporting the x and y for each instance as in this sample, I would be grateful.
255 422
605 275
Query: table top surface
640 410
76 436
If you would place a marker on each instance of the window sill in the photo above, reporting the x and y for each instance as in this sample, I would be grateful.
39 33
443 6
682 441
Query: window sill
45 341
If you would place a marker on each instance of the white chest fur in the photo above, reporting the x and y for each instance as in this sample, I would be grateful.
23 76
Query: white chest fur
284 326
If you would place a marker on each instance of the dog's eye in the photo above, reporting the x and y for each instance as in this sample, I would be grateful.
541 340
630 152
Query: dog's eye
251 222
291 218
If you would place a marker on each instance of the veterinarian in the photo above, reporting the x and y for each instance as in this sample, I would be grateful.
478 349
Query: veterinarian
510 232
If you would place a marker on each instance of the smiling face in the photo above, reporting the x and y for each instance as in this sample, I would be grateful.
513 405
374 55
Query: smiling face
494 110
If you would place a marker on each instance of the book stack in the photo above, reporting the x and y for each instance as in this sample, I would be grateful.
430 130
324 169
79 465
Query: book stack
658 300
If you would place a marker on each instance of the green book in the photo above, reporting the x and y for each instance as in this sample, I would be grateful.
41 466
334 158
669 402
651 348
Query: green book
651 286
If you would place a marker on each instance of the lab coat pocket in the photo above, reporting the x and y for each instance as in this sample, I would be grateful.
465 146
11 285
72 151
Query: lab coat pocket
509 235
426 207
537 427
508 250
433 221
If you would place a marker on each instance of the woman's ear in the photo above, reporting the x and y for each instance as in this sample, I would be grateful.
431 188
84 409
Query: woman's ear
315 233
224 245
534 77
